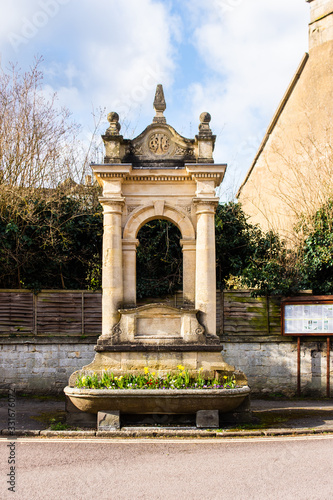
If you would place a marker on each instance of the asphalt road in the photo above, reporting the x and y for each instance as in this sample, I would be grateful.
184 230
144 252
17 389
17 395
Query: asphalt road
265 468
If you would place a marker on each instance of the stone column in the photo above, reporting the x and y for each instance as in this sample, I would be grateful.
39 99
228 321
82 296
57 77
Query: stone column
112 271
189 250
129 272
205 283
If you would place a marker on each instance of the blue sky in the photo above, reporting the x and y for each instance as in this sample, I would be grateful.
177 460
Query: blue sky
232 58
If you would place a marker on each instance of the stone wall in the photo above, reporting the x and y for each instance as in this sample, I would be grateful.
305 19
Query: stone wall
271 367
42 366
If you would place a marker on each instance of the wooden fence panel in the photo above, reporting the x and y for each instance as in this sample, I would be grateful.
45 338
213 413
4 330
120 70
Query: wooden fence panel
249 316
56 312
92 313
16 312
59 313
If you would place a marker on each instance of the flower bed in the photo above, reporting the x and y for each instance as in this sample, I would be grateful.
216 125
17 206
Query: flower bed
149 380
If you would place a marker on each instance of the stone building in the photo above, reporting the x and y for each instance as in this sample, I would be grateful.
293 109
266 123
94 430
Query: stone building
292 171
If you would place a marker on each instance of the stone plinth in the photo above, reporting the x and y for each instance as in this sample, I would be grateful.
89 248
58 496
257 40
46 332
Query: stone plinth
156 324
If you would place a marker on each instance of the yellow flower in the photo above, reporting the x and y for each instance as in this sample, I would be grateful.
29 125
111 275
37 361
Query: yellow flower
225 377
180 367
146 370
201 369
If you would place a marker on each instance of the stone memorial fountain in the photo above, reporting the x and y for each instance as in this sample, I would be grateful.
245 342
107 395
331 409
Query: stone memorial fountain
158 175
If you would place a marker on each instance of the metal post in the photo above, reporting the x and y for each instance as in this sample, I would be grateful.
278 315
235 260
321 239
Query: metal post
328 391
298 366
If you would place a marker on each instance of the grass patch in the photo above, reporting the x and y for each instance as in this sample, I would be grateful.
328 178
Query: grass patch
58 426
51 417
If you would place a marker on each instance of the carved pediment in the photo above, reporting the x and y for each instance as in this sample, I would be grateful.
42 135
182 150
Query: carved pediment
160 142
159 145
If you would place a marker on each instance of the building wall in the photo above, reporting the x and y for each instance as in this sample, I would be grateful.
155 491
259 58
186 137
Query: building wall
292 171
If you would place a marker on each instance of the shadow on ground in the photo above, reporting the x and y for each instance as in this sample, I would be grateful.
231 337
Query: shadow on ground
44 412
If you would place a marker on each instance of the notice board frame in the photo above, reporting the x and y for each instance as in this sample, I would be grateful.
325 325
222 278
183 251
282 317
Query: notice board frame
314 300
308 300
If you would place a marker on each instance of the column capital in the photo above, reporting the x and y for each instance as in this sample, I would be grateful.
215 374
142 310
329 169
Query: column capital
206 205
112 205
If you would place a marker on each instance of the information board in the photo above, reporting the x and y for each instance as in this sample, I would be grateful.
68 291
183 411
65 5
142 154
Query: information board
306 318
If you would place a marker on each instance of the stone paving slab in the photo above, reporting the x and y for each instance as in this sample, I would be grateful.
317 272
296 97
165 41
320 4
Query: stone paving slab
282 417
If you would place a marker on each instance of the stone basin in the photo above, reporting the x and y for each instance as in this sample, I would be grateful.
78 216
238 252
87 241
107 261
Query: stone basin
156 401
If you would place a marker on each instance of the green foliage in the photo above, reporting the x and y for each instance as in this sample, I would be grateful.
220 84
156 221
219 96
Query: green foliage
94 273
317 259
233 237
271 269
159 259
55 241
61 235
58 426
49 245
259 259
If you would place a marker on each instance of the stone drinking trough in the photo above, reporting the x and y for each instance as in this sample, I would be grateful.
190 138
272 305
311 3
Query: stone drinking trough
89 402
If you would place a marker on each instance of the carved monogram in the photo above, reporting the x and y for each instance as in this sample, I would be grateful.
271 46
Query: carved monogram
159 144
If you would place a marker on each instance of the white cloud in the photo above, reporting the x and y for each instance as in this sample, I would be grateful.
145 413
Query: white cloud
237 55
250 52
107 53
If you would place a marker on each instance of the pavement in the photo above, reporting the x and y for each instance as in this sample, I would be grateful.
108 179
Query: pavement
45 416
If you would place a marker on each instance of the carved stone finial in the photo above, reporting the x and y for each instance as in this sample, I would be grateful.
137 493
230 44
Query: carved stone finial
204 128
113 119
159 105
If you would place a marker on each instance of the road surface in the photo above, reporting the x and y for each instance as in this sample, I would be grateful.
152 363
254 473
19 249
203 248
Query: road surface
227 469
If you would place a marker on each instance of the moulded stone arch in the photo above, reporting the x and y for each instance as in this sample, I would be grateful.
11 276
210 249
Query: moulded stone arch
158 211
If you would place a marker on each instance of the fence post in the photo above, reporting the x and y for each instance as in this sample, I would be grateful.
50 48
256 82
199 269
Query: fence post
82 313
34 306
